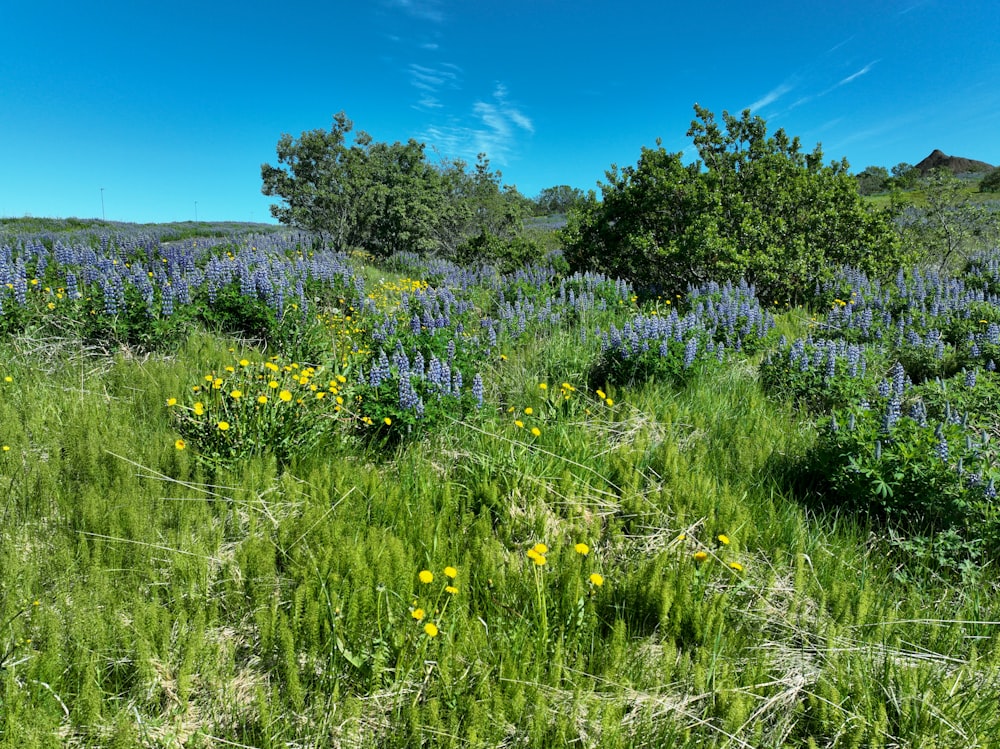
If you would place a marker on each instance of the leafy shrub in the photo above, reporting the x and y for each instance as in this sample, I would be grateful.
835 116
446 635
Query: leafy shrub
821 375
273 407
991 182
922 477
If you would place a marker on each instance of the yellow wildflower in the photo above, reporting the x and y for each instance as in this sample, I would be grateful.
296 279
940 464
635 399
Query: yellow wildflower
430 629
700 556
596 580
223 426
450 572
582 549
417 614
180 444
426 576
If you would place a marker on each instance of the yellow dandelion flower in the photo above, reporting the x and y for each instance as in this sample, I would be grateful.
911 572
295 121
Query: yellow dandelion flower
682 537
244 362
6 448
596 580
180 444
417 614
209 378
199 409
601 395
736 566
236 394
543 386
223 426
519 424
171 402
700 556
320 395
273 384
285 396
609 401
430 629
262 399
450 572
230 369
723 539
426 576
529 410
582 549
387 421
532 554
541 548
8 378
536 431
451 589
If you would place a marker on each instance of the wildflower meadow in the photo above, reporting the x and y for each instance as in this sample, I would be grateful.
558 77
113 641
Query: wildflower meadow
257 492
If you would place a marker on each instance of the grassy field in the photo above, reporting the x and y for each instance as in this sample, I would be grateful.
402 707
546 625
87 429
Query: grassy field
558 559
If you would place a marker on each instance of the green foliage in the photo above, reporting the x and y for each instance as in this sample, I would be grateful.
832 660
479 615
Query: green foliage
384 198
904 176
282 602
369 195
873 180
557 199
506 255
991 182
248 409
906 475
950 227
754 206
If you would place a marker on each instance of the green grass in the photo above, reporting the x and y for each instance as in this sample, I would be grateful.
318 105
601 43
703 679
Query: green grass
147 601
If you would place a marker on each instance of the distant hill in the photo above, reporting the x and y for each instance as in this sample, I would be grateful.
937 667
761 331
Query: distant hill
955 164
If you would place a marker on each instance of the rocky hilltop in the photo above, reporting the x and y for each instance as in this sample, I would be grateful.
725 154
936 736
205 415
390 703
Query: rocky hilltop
955 164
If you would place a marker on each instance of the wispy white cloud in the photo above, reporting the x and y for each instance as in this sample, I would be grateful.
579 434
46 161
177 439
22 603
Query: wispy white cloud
837 46
856 75
427 10
431 81
495 126
912 6
772 96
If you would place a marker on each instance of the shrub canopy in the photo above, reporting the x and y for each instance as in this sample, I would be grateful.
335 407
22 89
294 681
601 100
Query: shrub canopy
753 205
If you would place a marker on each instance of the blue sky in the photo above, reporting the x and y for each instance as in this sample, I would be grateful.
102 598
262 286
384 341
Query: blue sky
172 107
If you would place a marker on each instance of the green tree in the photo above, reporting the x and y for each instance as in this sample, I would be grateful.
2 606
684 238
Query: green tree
754 205
873 180
369 195
904 175
991 182
480 213
557 199
951 225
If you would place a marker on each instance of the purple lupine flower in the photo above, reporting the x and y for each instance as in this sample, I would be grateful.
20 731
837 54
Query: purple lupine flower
477 389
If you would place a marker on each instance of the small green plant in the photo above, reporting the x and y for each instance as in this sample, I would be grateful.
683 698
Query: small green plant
273 407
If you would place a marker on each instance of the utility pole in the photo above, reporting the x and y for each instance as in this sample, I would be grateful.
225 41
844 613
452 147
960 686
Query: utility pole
103 218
